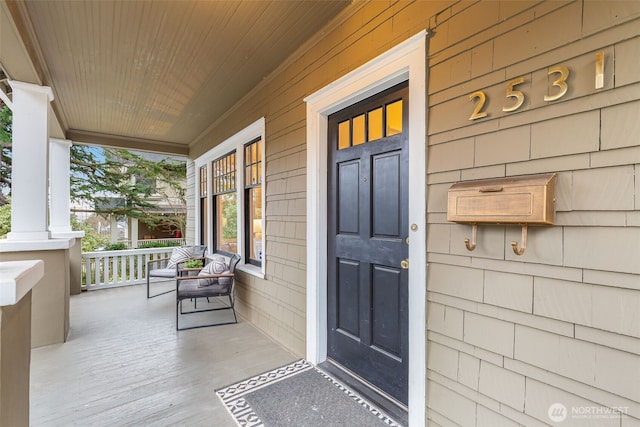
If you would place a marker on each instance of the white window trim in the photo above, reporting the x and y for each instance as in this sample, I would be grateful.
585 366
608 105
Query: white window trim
237 143
407 61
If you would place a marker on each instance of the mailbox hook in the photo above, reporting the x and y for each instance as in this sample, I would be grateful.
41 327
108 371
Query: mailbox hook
514 244
474 233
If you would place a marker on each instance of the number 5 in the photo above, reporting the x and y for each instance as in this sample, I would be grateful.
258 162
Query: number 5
518 95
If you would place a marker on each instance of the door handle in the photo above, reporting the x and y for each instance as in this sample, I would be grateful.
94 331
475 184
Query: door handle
404 264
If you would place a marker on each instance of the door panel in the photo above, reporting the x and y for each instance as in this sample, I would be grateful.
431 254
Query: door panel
367 227
385 197
386 308
348 295
348 205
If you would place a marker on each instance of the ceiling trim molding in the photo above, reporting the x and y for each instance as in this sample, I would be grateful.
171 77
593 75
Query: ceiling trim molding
117 141
24 26
15 10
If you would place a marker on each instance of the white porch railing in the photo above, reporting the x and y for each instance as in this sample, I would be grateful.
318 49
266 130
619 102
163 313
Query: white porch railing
109 269
142 242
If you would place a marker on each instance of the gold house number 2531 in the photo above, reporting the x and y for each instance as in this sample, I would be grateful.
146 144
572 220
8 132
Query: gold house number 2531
560 88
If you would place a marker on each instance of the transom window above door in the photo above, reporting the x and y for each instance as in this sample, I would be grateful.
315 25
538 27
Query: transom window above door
377 123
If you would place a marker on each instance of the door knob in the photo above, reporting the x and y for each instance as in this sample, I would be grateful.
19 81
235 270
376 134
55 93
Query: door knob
404 264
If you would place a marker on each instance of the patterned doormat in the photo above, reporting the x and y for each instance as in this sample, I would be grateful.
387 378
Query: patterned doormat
299 395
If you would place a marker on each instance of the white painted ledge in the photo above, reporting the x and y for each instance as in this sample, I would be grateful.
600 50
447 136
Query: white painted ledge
35 245
17 278
66 234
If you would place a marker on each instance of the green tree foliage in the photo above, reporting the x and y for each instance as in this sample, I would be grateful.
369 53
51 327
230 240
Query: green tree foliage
230 215
100 176
91 240
5 218
122 183
5 152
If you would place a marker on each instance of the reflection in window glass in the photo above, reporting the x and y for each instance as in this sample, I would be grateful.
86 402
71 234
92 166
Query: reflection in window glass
253 199
225 205
375 124
224 173
344 140
203 181
227 222
204 221
255 223
358 130
204 208
394 118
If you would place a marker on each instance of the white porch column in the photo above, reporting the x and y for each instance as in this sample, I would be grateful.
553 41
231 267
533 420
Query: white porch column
59 164
113 228
30 162
133 232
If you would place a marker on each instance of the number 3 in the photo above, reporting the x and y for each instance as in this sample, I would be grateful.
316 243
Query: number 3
561 82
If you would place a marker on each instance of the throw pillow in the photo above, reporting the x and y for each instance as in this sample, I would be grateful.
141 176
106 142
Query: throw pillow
217 265
180 254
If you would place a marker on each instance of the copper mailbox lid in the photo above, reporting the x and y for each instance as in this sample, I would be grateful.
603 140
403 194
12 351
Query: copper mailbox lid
517 200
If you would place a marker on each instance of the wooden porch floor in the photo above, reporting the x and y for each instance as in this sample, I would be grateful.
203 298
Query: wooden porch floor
124 364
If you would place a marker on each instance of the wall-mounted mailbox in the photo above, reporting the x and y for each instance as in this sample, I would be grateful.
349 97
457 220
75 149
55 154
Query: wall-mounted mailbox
518 200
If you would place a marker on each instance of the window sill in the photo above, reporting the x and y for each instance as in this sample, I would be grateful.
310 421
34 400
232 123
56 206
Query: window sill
251 269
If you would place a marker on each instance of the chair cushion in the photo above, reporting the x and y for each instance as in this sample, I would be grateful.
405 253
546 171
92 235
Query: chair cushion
163 272
217 265
191 289
225 281
178 255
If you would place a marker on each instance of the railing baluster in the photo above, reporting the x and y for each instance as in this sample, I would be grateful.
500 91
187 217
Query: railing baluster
88 272
107 269
98 271
131 274
141 266
123 270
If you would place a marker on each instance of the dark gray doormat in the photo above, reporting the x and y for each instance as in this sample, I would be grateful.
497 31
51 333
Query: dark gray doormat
298 395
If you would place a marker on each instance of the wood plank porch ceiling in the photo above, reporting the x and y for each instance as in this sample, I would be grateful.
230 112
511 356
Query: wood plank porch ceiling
150 74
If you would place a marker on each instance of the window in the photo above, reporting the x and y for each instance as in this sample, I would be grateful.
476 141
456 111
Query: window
253 201
234 221
225 218
378 123
204 207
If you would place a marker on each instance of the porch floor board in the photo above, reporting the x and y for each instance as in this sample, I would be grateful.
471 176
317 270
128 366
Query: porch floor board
124 364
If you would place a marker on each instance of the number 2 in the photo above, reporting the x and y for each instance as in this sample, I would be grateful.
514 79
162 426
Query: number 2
477 111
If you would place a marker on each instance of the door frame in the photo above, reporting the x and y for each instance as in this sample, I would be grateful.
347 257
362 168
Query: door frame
406 61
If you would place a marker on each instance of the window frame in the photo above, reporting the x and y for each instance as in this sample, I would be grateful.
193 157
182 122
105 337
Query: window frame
237 142
202 201
218 192
248 186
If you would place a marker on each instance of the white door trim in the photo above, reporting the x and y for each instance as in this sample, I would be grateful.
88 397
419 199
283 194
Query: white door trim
406 61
